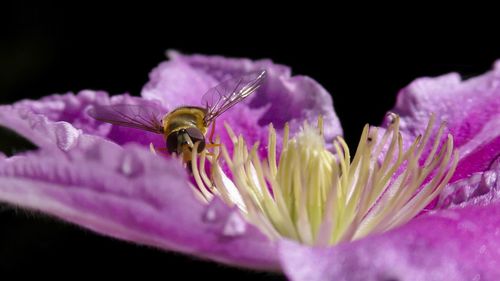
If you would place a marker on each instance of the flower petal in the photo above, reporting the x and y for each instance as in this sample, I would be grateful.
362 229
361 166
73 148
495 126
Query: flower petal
482 188
130 194
72 109
471 109
38 129
184 79
458 244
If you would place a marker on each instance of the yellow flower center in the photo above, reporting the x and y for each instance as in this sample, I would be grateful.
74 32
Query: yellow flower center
318 197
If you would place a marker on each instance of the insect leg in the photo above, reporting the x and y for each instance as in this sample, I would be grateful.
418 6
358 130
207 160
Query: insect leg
212 132
156 150
212 145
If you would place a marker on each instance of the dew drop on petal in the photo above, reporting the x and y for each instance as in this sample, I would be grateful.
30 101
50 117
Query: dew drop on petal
210 214
215 211
235 226
66 135
131 166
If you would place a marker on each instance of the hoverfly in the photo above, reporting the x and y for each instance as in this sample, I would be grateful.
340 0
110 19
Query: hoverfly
185 125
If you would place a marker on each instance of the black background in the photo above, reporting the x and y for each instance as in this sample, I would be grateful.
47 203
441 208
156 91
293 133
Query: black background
360 56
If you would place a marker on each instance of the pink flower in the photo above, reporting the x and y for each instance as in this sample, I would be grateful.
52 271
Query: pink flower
104 177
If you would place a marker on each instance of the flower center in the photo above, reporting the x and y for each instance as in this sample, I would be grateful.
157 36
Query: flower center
322 198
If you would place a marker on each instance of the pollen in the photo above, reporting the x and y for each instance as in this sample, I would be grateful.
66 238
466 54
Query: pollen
320 196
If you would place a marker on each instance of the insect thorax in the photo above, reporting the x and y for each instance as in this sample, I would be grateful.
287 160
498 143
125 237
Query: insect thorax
184 117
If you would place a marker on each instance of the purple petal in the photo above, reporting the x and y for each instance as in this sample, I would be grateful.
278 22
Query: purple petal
458 244
482 188
471 109
130 194
41 131
184 79
71 110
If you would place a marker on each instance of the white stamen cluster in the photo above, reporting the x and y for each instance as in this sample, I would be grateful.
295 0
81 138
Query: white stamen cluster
322 198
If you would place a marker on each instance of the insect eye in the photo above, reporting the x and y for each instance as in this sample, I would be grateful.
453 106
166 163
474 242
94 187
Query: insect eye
196 136
172 142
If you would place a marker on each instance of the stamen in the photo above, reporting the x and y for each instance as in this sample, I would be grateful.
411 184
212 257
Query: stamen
203 189
320 125
322 198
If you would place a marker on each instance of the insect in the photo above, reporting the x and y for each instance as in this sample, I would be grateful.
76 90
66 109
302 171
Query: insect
185 125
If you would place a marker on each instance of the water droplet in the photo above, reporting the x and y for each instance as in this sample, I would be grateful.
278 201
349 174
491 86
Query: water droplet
215 211
131 166
210 214
66 135
235 225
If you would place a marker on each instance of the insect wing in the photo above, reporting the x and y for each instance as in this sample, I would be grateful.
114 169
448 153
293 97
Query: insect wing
230 92
134 116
